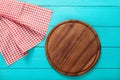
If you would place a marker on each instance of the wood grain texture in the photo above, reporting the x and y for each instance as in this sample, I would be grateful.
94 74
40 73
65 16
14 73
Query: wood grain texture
72 47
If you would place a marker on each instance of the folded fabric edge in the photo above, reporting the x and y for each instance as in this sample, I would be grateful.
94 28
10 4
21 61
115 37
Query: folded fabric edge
16 19
10 63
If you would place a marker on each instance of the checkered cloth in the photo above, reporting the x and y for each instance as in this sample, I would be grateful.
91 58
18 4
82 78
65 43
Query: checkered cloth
22 26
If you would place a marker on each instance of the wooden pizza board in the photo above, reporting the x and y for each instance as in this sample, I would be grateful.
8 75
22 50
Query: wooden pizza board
72 47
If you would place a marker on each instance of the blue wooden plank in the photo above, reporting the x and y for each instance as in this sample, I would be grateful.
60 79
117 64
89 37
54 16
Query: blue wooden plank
31 74
101 74
75 2
108 36
95 16
36 58
50 74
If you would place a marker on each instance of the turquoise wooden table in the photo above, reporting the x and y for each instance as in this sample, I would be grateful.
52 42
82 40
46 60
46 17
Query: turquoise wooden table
102 15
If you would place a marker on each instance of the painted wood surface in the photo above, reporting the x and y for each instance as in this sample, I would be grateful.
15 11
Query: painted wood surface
102 15
50 74
75 2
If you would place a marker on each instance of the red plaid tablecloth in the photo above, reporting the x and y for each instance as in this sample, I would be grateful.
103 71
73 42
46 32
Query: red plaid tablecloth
22 26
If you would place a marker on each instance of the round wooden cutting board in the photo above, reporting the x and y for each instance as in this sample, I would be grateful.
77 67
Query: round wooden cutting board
72 47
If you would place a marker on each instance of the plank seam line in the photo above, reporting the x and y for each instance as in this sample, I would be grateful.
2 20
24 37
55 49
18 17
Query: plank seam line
76 6
53 68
